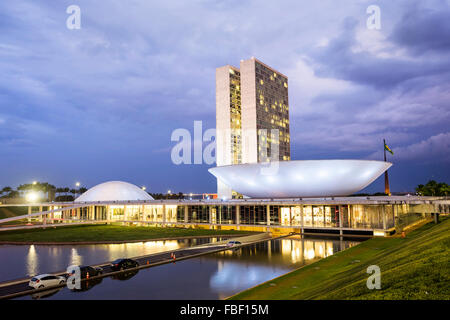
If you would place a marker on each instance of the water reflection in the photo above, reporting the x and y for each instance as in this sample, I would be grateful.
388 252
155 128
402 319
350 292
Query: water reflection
249 266
213 276
30 260
75 258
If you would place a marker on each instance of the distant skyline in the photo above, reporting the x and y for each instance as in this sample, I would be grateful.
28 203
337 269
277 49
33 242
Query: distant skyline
100 103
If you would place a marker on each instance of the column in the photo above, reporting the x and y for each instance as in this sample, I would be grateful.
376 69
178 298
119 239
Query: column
40 210
52 215
290 216
383 212
164 215
238 217
29 213
186 214
210 217
350 215
302 223
341 223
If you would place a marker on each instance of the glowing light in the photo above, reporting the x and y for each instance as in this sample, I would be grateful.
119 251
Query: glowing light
77 184
34 182
169 192
32 196
144 188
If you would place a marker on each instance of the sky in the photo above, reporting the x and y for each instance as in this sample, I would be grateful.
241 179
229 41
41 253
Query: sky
100 103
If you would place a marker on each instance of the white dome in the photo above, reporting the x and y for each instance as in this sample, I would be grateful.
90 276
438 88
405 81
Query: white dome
114 191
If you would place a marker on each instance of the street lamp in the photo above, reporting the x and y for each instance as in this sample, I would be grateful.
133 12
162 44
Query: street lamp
143 188
77 184
32 196
34 182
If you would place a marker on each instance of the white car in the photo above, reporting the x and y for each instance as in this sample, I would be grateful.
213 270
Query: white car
233 243
46 280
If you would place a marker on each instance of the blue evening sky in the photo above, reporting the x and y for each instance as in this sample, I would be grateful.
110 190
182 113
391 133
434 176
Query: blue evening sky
100 103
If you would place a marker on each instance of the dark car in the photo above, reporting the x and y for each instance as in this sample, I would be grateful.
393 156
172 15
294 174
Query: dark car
85 270
122 264
91 271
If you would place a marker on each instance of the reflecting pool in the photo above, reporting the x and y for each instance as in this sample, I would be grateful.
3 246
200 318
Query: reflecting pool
20 261
213 276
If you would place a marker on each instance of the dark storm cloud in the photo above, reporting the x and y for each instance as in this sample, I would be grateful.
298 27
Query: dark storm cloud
424 30
339 60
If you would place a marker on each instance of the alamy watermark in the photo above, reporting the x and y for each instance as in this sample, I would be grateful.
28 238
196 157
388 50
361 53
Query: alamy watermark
374 281
374 20
248 146
74 20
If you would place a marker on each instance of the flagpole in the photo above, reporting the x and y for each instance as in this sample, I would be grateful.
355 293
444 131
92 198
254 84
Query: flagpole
386 178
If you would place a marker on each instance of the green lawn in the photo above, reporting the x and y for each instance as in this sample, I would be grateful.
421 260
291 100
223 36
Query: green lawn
416 267
105 233
8 212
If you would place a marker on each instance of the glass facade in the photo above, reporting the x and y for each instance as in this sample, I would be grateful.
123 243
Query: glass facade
354 216
226 214
235 116
253 215
272 113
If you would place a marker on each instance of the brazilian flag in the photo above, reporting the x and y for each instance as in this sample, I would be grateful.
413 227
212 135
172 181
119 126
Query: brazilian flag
388 149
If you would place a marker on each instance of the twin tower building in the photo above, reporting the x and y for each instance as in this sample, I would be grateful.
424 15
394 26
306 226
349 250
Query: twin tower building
252 117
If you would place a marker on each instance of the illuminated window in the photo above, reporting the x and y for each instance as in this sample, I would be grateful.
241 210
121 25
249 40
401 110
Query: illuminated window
285 85
261 82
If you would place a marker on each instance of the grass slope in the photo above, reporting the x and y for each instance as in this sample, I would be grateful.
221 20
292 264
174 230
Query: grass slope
415 267
105 233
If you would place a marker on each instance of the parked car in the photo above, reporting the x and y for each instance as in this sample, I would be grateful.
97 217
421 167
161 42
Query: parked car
46 280
122 264
233 243
92 271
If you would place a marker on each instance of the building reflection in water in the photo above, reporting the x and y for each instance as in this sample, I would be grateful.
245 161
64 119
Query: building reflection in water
268 260
32 261
75 258
137 249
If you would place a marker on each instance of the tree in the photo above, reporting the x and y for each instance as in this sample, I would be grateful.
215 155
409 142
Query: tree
82 190
433 188
6 189
13 194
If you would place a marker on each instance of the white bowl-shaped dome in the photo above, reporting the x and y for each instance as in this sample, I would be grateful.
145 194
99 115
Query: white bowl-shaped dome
300 178
114 191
